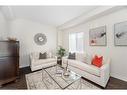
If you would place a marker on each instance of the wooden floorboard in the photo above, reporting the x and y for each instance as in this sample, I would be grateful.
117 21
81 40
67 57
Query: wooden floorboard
21 82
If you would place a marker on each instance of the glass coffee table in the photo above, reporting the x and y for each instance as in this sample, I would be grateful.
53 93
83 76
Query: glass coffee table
56 73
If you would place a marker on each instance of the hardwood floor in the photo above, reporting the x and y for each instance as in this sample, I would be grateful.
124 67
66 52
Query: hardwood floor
21 82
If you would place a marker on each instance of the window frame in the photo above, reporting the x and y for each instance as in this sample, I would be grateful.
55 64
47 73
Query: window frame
76 33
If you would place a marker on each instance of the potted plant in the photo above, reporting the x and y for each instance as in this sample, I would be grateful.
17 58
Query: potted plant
61 52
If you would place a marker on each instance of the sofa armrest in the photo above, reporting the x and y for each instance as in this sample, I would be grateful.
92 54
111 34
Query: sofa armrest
106 66
32 60
105 72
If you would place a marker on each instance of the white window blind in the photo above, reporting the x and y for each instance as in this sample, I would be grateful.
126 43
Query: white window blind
76 42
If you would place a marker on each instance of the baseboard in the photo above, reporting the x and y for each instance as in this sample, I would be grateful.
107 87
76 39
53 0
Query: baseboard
24 66
119 77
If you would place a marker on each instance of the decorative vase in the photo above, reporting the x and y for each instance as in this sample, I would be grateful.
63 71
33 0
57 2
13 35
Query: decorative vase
66 72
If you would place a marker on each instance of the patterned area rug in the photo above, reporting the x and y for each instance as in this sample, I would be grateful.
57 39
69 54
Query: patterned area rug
35 80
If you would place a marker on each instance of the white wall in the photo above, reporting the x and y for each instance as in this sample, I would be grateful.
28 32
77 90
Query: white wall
24 31
59 38
3 27
118 54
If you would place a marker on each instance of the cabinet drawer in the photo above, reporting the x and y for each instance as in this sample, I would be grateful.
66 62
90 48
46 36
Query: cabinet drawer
8 67
9 49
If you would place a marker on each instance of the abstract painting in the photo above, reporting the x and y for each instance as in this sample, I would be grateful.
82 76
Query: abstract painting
97 36
120 35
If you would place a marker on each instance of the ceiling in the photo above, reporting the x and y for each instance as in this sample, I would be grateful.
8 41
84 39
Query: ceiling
50 15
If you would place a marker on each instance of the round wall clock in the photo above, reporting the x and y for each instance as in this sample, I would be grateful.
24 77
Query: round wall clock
40 39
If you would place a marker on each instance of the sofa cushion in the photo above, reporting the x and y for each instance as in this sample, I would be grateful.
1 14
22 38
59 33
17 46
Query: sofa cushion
44 61
83 57
85 67
80 57
49 55
35 55
88 59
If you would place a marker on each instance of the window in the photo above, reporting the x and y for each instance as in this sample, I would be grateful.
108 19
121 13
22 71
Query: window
76 42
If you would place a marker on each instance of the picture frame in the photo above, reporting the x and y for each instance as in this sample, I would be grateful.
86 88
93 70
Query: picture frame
98 36
120 34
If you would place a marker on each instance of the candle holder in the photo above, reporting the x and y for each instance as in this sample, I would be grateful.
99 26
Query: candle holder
66 71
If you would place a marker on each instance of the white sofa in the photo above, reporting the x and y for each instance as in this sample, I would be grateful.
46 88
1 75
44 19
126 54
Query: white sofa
37 63
82 66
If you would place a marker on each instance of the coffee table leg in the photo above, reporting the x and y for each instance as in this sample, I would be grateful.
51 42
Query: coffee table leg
56 69
80 83
42 72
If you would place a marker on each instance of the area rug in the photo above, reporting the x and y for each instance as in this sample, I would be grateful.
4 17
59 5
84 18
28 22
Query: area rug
36 81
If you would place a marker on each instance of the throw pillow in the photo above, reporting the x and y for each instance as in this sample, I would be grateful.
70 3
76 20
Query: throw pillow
71 55
43 56
97 61
80 57
49 55
88 59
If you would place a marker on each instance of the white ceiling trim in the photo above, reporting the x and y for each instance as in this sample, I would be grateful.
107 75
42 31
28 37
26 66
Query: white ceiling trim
49 15
84 18
94 14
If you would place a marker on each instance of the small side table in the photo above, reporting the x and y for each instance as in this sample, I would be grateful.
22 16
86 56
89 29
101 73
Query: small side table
59 61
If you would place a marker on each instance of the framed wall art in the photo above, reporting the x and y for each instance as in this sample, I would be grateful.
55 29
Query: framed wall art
120 34
40 39
97 36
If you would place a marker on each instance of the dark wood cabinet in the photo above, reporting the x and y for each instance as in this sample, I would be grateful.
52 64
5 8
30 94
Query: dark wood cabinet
9 61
